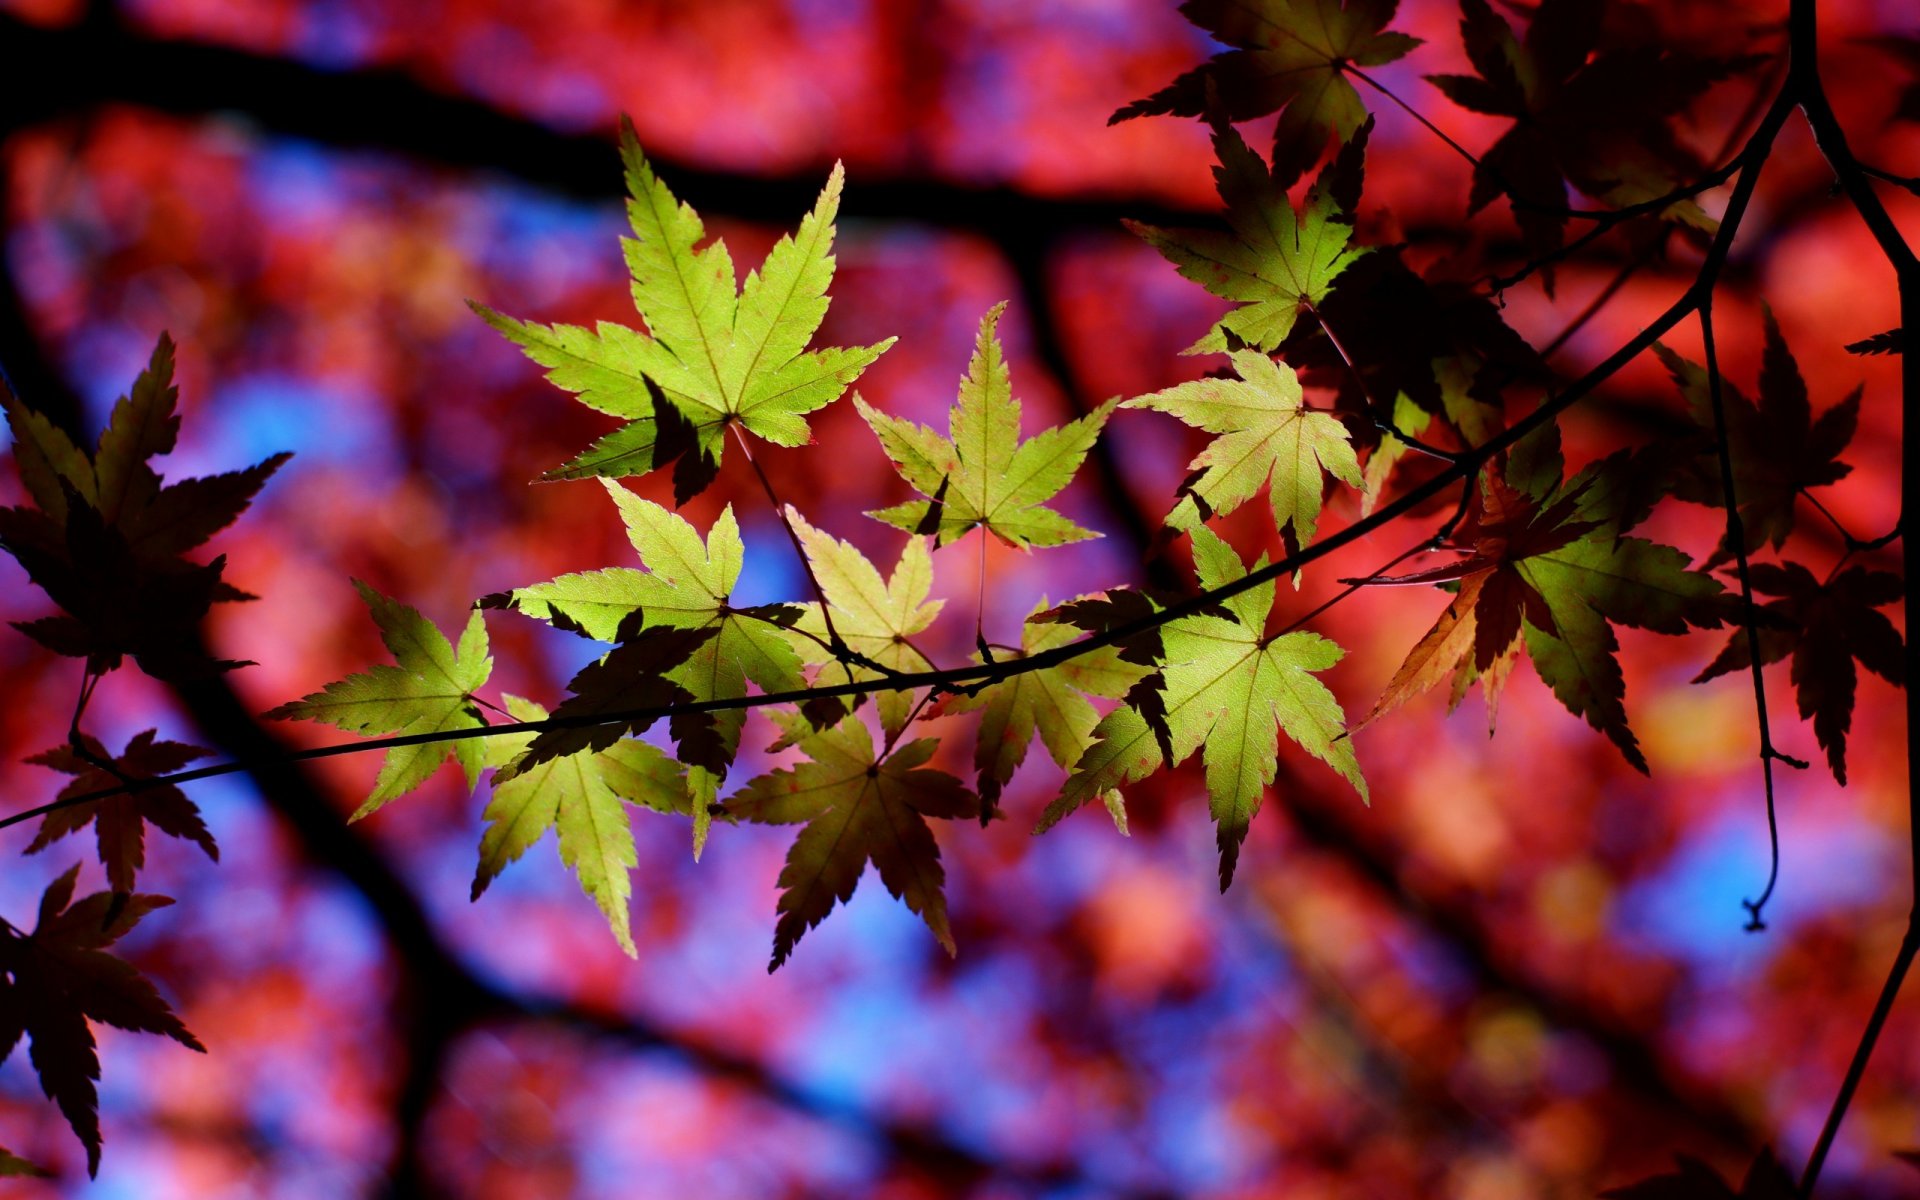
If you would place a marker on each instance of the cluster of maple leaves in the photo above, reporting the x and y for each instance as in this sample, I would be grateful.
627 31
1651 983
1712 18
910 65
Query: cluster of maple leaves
1412 368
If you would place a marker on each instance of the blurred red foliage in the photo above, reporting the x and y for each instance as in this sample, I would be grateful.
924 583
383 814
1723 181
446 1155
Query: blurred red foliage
1520 973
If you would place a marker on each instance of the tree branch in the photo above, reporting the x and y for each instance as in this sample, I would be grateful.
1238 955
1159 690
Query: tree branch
1804 83
441 997
47 73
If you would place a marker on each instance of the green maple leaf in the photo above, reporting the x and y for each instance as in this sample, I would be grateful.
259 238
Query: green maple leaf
12 1164
1825 626
1547 565
106 539
1050 701
580 797
1290 57
983 474
1779 450
1232 689
120 821
857 808
1267 436
688 585
429 689
1272 260
717 357
875 618
56 979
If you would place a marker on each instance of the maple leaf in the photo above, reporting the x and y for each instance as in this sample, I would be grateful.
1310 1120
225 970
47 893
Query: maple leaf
1437 343
1779 450
120 821
1825 626
607 694
57 978
1274 261
1232 689
1766 1180
857 808
1891 341
983 474
1050 701
1267 436
12 1165
875 618
579 797
687 586
1290 57
428 689
1547 565
718 358
106 539
1594 117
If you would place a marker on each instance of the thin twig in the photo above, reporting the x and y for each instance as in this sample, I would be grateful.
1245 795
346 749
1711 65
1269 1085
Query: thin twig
1606 294
1464 466
1382 417
836 645
1804 85
1749 613
1847 537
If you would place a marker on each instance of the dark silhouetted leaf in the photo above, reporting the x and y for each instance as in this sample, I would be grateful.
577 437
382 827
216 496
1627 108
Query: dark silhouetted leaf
1289 57
1597 117
1779 450
1825 626
106 538
1766 1180
59 977
120 821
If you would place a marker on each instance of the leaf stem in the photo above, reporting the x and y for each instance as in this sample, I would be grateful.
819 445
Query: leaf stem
1608 217
90 680
980 603
1471 158
837 645
1606 294
1851 542
1382 418
1464 467
1749 613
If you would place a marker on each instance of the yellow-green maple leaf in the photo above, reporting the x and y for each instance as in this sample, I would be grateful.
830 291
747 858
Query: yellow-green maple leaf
873 617
1273 261
688 584
1050 701
1233 690
857 808
1267 436
983 474
718 357
428 689
580 797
